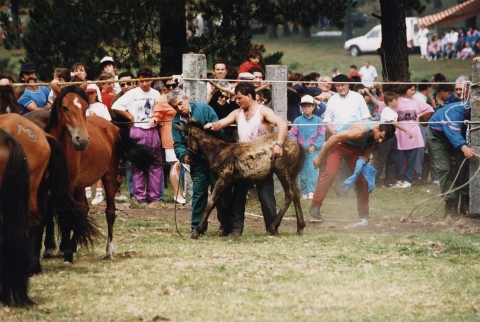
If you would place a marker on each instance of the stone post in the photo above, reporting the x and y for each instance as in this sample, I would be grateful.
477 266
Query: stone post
279 98
195 66
475 141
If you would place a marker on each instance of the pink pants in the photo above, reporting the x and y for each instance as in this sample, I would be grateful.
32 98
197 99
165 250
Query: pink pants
351 154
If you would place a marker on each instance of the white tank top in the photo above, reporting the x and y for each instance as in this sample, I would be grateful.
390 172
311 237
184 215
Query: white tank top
251 129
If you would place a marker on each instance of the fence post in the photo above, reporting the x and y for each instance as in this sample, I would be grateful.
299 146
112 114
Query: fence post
279 99
194 66
475 141
279 90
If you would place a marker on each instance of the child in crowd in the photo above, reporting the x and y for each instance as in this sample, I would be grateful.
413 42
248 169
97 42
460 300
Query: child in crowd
254 57
466 52
108 65
107 89
99 109
433 49
311 137
387 150
410 110
60 75
79 71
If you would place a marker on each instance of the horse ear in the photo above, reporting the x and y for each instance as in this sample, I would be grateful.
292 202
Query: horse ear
56 89
181 128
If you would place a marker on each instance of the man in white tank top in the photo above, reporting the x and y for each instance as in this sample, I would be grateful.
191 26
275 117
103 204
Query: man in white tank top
253 120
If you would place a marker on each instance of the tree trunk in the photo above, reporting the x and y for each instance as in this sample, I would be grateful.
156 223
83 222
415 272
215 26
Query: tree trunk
272 31
295 29
306 32
173 35
393 51
286 30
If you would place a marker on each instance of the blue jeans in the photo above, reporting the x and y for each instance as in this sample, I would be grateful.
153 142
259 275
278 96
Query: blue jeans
410 157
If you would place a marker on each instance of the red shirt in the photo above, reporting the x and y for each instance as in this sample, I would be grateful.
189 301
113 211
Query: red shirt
107 99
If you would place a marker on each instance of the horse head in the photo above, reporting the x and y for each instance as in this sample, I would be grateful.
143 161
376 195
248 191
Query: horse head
69 114
190 137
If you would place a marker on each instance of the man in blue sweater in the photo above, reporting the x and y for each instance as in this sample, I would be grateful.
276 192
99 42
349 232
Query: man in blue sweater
447 139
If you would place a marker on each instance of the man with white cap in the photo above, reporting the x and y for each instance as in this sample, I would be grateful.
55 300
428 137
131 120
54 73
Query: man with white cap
108 65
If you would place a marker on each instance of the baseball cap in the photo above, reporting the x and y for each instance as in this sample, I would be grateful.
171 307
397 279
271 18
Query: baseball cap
106 60
91 88
307 99
246 76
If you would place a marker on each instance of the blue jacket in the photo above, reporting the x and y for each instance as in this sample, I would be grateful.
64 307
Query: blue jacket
202 113
368 173
453 132
308 135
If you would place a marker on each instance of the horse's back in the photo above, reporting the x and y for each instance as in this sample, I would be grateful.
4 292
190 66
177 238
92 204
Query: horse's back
39 117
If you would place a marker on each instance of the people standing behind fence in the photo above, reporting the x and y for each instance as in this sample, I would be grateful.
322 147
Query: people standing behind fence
410 111
223 104
60 75
461 88
422 36
325 84
8 100
447 142
253 61
354 72
99 109
163 115
202 177
80 72
368 73
308 130
106 89
293 99
108 65
436 79
444 91
34 97
137 105
388 150
425 164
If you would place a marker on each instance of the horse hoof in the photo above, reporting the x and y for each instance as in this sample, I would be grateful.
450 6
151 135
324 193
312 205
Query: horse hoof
108 257
67 263
300 232
48 254
194 235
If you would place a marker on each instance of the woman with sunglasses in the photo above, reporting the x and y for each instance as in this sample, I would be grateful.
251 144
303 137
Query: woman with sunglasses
223 104
163 115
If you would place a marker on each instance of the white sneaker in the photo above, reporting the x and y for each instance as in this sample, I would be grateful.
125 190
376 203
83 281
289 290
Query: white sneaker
310 195
405 184
304 197
179 200
396 185
88 194
121 198
98 199
429 58
436 182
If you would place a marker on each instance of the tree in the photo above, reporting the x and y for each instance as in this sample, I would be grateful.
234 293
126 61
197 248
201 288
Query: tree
393 51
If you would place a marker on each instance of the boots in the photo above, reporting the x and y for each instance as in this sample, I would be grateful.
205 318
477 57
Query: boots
464 204
451 208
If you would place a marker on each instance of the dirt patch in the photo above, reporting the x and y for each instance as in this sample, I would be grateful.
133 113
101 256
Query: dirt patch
386 225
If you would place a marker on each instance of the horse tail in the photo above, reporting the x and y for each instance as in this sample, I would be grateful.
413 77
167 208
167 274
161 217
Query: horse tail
138 154
300 162
70 214
14 246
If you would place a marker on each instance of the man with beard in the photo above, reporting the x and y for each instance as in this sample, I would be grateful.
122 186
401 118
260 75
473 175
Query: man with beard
34 97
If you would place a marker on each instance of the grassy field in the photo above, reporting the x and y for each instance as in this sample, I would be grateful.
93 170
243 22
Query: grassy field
386 271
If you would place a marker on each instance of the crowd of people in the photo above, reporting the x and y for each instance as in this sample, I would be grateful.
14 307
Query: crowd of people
343 122
460 44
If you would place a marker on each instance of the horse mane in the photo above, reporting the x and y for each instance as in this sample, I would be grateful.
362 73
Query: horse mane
57 104
217 134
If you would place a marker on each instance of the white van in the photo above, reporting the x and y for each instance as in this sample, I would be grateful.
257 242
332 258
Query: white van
372 40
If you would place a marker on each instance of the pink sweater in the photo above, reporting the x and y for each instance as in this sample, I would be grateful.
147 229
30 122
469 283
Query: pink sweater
408 110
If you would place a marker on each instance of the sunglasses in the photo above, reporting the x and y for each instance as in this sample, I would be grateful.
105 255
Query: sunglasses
127 83
226 97
171 86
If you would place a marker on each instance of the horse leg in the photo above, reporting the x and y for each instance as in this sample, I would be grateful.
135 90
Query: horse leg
220 186
49 242
36 234
291 192
109 183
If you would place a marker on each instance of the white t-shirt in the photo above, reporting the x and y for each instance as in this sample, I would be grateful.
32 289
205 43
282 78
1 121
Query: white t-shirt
368 75
342 110
388 115
99 109
139 104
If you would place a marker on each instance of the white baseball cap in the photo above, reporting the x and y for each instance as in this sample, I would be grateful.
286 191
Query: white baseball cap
307 99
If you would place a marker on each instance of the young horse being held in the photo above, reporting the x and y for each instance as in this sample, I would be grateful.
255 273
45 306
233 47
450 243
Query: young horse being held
247 161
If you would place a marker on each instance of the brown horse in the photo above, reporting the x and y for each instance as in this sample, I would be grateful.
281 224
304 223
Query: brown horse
48 174
247 161
93 147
